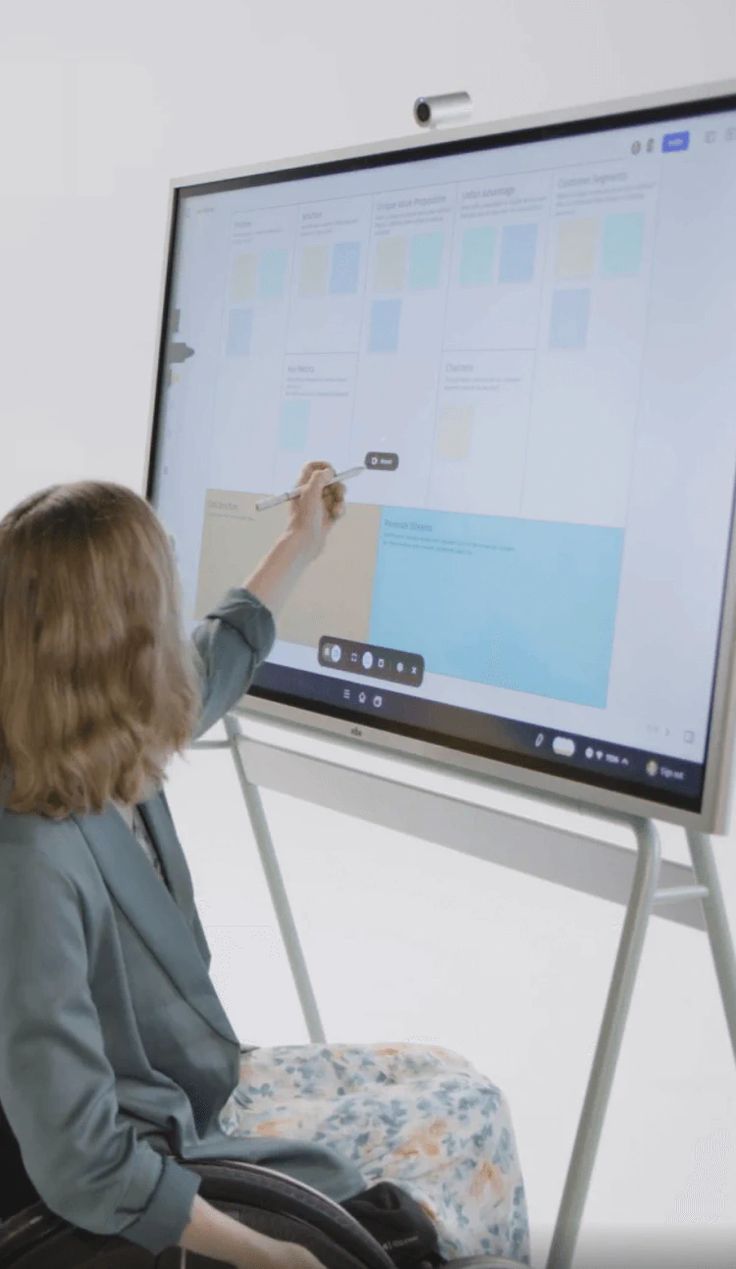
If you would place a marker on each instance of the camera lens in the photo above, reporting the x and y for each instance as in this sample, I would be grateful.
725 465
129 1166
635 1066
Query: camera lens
423 112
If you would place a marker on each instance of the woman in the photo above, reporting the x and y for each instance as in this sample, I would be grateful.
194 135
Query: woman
115 1052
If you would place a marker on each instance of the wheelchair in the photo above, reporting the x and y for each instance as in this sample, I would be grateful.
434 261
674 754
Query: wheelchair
32 1237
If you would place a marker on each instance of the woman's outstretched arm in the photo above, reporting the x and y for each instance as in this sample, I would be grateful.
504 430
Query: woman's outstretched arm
238 635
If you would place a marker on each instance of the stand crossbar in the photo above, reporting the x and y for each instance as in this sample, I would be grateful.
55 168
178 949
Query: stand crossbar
401 796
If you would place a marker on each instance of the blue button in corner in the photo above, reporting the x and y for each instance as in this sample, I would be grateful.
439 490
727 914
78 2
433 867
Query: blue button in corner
675 141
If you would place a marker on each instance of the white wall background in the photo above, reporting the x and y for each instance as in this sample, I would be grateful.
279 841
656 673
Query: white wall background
100 104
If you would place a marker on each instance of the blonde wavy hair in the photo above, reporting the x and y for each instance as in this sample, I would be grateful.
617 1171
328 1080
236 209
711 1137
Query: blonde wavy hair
98 686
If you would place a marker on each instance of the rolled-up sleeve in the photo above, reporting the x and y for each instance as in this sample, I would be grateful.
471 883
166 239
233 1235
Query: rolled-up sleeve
57 1087
231 643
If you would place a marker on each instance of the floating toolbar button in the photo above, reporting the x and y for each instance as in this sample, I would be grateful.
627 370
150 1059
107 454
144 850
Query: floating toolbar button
377 461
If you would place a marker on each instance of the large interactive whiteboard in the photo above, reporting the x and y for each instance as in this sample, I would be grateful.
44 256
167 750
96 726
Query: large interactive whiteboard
529 337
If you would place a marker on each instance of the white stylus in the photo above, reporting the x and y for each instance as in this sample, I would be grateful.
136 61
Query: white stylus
266 503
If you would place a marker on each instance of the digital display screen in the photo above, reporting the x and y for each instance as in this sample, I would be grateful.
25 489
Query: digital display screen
530 344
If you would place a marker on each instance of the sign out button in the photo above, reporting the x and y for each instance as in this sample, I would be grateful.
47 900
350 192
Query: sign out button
675 141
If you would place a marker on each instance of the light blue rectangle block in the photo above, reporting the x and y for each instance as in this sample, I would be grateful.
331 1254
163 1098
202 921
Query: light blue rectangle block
345 268
621 247
522 604
568 326
476 256
272 273
384 329
518 252
239 332
294 433
425 261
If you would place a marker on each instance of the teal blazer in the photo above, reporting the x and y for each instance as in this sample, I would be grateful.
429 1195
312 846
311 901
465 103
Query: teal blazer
115 1052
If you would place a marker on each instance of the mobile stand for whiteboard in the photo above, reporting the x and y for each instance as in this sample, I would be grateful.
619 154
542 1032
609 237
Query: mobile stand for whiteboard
641 880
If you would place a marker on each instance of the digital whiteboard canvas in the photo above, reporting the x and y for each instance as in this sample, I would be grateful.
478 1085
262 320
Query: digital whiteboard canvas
529 339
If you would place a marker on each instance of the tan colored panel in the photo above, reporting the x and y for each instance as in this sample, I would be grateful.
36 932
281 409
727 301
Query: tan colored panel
333 596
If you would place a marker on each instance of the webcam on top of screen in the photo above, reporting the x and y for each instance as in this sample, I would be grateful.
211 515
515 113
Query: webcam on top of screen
443 110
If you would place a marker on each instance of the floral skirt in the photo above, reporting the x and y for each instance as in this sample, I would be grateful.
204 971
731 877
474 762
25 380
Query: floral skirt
416 1115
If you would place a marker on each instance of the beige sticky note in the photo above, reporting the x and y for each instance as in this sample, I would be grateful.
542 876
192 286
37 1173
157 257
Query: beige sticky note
454 432
577 241
313 268
390 265
243 277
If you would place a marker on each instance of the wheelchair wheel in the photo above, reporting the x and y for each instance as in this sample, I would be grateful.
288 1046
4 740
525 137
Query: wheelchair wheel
274 1204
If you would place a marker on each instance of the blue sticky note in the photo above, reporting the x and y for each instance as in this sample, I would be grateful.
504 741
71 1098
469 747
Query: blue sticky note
345 268
476 257
518 252
568 327
384 328
272 272
239 332
425 260
295 424
621 248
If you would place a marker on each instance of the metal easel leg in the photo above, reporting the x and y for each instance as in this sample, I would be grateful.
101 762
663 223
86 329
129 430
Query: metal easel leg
716 921
277 889
607 1050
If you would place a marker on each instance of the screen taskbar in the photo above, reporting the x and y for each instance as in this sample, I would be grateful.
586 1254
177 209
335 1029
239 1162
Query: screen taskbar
587 759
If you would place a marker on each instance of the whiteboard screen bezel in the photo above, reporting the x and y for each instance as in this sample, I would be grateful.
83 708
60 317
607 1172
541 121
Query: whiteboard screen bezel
713 815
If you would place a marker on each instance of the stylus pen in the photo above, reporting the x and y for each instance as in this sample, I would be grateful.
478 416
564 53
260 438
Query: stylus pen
266 503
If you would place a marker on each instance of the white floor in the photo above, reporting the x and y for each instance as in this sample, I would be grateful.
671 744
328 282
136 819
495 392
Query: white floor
411 941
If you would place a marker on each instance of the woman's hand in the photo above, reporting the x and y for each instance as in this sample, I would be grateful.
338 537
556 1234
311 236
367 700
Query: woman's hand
279 1255
310 518
212 1233
319 505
